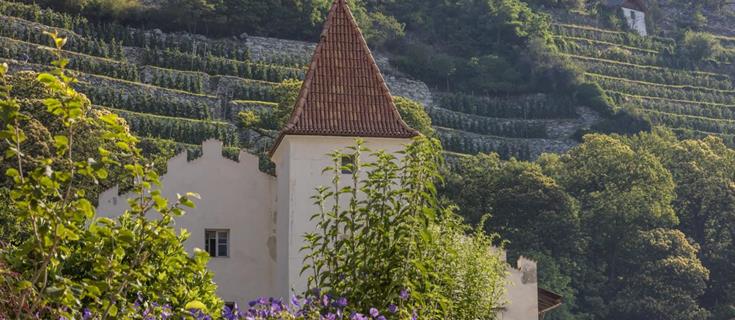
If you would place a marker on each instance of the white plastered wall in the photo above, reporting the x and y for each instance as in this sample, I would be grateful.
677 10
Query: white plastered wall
522 292
636 20
238 197
235 196
299 163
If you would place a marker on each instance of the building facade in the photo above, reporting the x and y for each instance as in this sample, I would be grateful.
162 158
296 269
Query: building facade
634 12
252 223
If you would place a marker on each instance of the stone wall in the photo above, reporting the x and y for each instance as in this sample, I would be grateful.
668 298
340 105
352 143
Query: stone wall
527 148
274 50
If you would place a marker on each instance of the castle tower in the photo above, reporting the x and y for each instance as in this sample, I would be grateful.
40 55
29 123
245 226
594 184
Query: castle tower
344 97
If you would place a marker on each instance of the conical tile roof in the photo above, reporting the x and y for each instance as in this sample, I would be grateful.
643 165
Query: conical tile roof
344 93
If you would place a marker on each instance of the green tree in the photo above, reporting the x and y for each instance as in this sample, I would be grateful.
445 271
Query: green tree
704 172
187 13
661 278
530 211
72 260
700 46
620 192
414 115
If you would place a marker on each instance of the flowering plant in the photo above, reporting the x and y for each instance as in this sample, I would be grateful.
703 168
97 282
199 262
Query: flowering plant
323 308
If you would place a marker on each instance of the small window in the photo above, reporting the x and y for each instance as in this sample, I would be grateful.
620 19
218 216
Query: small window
217 242
348 164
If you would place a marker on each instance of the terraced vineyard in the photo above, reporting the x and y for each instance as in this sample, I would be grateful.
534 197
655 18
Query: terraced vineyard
170 89
518 126
183 89
645 75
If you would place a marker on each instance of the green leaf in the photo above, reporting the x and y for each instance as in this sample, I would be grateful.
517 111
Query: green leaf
46 78
102 173
61 141
185 201
160 201
12 172
429 213
126 236
25 284
106 221
195 305
66 233
113 310
93 291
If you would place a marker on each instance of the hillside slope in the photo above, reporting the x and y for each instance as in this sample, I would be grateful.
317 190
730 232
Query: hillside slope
180 89
171 88
651 77
187 88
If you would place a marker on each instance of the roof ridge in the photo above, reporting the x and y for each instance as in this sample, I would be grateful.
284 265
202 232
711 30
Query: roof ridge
344 93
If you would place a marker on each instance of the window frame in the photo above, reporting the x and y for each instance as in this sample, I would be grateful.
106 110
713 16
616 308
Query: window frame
217 242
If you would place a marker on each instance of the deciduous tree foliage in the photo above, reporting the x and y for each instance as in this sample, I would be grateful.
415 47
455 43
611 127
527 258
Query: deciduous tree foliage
602 219
414 114
660 279
70 260
704 172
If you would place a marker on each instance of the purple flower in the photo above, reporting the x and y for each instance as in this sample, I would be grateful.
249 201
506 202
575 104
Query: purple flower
374 312
86 314
325 301
276 306
392 308
358 316
341 302
403 294
295 301
231 314
381 318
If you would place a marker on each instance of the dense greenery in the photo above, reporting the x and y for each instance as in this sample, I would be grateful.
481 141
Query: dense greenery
72 261
683 82
626 228
381 235
414 115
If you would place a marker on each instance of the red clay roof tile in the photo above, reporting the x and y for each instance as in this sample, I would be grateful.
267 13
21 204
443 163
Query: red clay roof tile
344 93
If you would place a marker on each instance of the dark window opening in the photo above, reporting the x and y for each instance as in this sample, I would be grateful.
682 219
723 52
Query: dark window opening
217 242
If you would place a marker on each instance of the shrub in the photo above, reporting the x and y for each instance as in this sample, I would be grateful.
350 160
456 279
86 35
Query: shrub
71 259
592 95
700 46
382 236
414 115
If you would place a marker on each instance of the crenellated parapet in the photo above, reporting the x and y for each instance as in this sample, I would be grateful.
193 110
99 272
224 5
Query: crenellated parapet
212 153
